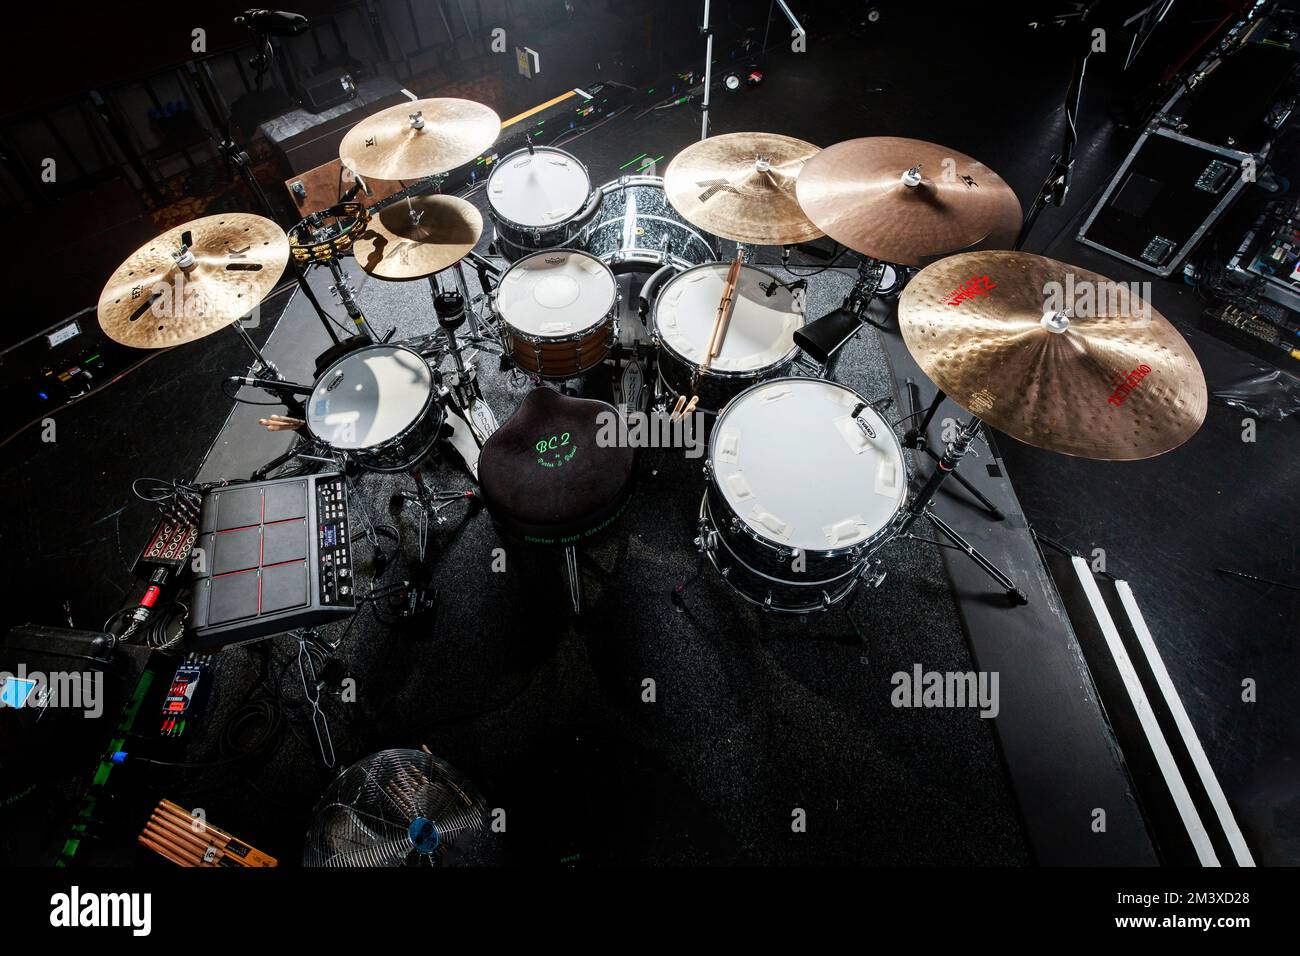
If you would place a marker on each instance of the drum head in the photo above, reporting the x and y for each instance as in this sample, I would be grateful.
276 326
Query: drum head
369 396
800 472
556 293
762 327
539 189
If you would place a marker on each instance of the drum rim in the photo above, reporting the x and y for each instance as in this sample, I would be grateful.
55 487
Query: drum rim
526 227
598 323
740 373
867 544
424 408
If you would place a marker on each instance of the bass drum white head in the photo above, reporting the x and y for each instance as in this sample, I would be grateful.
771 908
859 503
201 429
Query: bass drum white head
369 396
556 293
795 466
538 189
762 327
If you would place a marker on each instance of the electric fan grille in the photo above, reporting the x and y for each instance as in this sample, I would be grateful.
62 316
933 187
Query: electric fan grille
397 808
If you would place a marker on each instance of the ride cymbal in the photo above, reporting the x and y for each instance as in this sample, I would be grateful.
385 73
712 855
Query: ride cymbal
398 245
906 200
1054 355
420 138
741 186
192 280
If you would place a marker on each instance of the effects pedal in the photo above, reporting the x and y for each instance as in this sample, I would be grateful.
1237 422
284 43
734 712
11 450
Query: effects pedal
189 688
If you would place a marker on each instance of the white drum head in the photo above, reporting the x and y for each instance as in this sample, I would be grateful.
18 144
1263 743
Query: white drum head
369 396
540 189
556 294
800 472
762 327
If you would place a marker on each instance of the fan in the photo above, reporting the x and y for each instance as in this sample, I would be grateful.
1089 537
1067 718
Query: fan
397 808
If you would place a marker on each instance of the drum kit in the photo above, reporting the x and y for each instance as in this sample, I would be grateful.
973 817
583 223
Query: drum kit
806 480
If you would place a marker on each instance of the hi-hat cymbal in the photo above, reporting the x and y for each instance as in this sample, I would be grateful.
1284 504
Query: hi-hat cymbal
741 186
1054 355
168 293
863 194
420 138
399 246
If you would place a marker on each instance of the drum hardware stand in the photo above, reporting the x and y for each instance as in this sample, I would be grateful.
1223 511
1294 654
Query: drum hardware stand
462 394
920 508
429 505
918 439
237 159
347 294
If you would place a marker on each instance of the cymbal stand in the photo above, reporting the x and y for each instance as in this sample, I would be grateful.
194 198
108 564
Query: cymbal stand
918 439
920 508
347 294
238 160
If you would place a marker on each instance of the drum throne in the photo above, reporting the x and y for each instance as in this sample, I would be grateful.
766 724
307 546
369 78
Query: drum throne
547 482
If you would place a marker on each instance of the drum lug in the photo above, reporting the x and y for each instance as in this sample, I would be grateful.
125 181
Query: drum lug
875 575
707 540
735 525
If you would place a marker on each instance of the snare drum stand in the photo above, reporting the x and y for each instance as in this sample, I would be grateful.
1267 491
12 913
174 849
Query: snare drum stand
920 508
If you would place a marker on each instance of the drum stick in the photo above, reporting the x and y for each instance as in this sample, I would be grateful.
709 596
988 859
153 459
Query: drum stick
161 851
690 406
723 319
677 409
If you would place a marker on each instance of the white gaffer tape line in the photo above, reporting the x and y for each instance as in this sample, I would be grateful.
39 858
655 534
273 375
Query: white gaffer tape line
1155 737
1193 743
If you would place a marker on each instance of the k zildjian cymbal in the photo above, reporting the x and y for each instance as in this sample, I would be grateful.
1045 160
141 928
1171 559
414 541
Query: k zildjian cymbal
168 293
741 186
398 246
420 138
1054 355
863 194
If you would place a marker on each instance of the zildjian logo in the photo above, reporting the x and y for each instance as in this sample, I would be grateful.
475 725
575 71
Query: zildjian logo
715 186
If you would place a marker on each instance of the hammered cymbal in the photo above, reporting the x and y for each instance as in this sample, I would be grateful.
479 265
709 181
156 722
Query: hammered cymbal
420 138
1054 355
399 247
856 192
152 300
741 186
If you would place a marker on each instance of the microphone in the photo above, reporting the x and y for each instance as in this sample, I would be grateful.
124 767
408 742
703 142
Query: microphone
265 383
273 23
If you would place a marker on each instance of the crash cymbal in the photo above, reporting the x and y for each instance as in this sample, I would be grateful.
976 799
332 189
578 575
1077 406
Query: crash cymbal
168 294
1054 355
420 138
741 186
864 194
399 246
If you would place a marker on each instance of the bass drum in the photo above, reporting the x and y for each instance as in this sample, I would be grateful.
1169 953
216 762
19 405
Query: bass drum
760 337
636 230
538 199
801 493
379 405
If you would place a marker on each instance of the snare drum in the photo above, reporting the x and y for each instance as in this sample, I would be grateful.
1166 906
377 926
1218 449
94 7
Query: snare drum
759 343
557 312
538 200
800 493
377 403
636 230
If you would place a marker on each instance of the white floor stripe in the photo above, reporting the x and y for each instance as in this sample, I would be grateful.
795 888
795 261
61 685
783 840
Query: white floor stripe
1193 743
1155 737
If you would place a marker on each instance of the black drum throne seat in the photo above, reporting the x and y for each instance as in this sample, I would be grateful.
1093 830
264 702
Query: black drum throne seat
547 481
